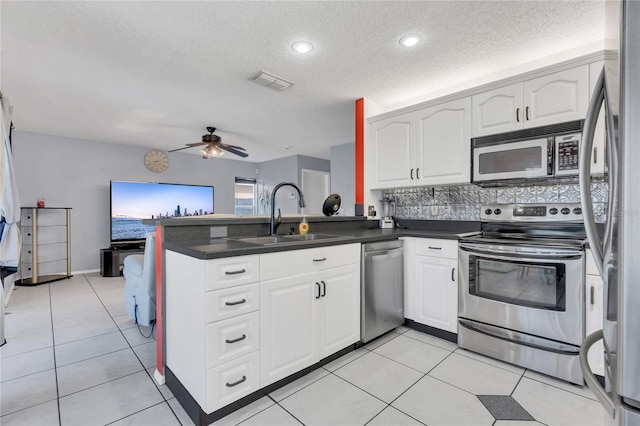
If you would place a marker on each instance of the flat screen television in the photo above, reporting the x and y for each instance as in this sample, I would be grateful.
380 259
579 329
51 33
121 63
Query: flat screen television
131 202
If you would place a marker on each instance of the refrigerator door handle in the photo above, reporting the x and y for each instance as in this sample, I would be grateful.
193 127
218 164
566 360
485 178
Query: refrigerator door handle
590 379
584 172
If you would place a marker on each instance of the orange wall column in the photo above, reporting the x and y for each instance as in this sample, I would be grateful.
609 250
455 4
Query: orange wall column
359 207
159 327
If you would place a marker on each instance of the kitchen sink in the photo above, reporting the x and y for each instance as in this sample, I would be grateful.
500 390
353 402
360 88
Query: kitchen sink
282 239
266 240
311 237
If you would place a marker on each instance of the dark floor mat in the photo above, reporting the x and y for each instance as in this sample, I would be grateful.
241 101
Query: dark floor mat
504 407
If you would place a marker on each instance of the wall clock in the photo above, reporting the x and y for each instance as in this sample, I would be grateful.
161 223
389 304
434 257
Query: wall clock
156 161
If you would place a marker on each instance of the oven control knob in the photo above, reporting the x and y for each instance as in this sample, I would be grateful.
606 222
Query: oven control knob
565 210
577 210
497 211
488 211
553 210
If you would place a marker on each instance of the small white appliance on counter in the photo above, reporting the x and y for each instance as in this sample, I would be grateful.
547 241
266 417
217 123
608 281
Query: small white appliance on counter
387 221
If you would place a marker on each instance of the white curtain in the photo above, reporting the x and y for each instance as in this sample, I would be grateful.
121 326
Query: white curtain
10 240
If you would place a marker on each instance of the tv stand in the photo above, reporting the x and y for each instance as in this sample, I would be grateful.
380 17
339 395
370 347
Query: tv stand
112 259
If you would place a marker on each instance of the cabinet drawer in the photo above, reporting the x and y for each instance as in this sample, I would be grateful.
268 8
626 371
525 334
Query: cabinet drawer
229 272
288 263
46 268
591 267
46 252
437 248
233 301
231 338
46 234
232 381
56 217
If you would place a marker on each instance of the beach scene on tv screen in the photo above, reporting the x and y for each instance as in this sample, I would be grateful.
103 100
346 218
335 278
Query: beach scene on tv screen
131 202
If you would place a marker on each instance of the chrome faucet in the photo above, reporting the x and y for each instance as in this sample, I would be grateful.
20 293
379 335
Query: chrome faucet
273 222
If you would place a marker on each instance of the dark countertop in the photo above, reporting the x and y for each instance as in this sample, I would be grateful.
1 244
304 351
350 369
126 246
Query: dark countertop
216 248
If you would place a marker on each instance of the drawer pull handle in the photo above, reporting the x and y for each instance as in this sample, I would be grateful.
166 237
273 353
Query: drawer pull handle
240 271
230 385
239 302
244 336
320 260
324 288
435 248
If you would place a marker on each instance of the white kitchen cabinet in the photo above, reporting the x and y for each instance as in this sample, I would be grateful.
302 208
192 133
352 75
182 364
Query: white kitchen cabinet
433 282
392 144
213 326
443 145
310 315
594 313
427 147
554 98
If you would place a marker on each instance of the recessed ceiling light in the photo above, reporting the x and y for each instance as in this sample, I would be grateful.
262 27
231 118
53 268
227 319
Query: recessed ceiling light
302 47
410 40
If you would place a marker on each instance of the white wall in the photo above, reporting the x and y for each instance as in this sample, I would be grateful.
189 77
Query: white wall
343 176
76 173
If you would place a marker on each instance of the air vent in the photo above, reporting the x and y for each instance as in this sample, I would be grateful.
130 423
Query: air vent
271 81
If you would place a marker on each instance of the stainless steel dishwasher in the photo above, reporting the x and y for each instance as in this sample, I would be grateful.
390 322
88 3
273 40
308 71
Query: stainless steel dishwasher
382 281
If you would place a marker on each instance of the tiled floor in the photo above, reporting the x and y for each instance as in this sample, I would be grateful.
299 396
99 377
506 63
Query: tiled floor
74 357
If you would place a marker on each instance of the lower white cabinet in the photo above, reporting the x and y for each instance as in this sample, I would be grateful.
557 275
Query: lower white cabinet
594 313
307 317
434 283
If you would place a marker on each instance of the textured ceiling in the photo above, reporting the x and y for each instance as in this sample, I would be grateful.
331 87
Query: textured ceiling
155 74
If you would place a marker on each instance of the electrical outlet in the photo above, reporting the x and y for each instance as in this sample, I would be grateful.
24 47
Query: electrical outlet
434 210
372 211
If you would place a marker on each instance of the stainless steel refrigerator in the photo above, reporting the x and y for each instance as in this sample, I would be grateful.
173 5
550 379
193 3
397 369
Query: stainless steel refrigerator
617 250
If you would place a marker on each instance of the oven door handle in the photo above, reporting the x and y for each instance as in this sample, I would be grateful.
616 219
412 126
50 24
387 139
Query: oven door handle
495 253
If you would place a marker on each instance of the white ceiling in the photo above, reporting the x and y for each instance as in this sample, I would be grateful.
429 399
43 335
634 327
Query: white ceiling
155 74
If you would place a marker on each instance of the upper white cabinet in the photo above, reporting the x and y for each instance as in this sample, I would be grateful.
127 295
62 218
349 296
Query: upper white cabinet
443 134
554 98
392 146
427 147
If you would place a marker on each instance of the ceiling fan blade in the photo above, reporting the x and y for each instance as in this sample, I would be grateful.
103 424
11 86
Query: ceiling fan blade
233 151
179 149
196 144
233 146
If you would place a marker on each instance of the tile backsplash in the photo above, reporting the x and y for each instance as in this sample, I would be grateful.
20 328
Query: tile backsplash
464 202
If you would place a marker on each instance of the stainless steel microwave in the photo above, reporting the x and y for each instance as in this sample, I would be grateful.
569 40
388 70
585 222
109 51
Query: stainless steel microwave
538 153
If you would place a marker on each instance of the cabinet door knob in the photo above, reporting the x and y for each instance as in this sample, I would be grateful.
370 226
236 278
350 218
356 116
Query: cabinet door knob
230 385
244 336
526 114
592 291
318 292
239 302
418 173
411 174
453 273
518 115
324 288
595 157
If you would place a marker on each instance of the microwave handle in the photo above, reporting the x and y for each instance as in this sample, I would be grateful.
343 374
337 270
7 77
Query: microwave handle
584 172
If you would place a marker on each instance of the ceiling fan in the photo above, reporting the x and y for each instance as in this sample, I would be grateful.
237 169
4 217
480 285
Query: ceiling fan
214 146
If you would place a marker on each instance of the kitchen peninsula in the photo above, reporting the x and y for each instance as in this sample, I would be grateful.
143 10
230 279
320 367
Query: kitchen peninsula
246 315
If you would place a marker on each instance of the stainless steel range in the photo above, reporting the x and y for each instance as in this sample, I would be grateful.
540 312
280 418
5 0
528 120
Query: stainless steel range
522 287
